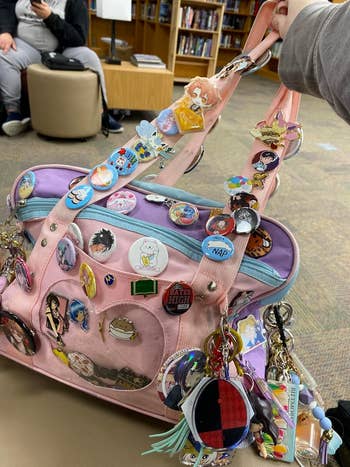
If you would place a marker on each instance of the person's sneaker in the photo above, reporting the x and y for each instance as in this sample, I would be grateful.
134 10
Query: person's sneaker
15 124
114 126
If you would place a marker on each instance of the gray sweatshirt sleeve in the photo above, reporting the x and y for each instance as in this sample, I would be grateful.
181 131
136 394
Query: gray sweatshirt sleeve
315 56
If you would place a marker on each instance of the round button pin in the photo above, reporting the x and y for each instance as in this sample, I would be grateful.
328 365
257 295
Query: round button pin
222 224
18 333
243 200
65 254
122 202
79 197
236 184
259 244
87 280
166 122
217 247
74 233
102 244
103 177
109 280
26 185
265 161
23 274
148 256
177 298
124 160
246 219
183 213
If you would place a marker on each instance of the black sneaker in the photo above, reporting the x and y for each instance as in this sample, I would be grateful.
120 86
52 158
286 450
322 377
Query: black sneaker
114 126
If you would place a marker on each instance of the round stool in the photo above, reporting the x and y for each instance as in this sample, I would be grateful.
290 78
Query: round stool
64 104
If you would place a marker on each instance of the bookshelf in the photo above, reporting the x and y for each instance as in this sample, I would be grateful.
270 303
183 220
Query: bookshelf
237 21
194 38
148 32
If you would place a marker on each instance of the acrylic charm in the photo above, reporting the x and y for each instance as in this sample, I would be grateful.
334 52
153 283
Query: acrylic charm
74 233
87 280
26 185
251 333
166 123
148 256
200 95
18 333
65 254
79 197
103 177
237 184
56 316
124 160
183 213
78 313
23 274
123 329
102 244
217 247
122 202
151 144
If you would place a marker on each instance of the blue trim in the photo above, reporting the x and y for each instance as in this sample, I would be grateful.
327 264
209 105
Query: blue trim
39 208
176 193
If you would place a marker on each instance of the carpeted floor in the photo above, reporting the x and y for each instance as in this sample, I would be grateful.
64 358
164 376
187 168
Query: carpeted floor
313 201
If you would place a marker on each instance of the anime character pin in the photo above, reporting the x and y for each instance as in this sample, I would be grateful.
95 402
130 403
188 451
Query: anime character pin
103 177
79 197
26 185
277 132
87 280
243 200
200 95
150 145
78 313
221 224
18 333
23 274
148 256
166 122
102 244
251 333
265 161
56 316
124 160
65 254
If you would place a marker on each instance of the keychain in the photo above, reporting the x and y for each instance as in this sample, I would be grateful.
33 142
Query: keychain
180 212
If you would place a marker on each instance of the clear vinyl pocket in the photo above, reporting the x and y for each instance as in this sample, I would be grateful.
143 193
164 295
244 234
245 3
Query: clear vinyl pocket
119 347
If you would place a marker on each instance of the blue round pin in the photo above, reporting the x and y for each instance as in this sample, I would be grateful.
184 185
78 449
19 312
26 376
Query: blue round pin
103 177
124 160
79 197
217 247
26 185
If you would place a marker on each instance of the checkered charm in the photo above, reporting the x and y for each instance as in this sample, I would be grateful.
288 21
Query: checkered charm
221 417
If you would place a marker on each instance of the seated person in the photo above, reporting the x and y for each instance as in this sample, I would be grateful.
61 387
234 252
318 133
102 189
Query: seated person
29 27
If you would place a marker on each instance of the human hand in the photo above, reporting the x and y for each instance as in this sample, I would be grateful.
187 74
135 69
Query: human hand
7 42
41 9
285 13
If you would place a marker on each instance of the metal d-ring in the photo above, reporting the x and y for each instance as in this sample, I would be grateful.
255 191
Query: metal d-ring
294 146
285 311
259 63
196 160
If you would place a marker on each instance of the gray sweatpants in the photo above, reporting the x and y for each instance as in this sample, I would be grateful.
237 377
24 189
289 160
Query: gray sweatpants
14 61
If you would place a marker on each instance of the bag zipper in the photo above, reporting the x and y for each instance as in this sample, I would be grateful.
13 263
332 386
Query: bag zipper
39 208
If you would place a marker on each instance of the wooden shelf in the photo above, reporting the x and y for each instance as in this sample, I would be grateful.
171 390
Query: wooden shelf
198 31
193 57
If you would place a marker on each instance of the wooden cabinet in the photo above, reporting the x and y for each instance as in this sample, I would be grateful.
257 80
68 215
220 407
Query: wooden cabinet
194 38
237 21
